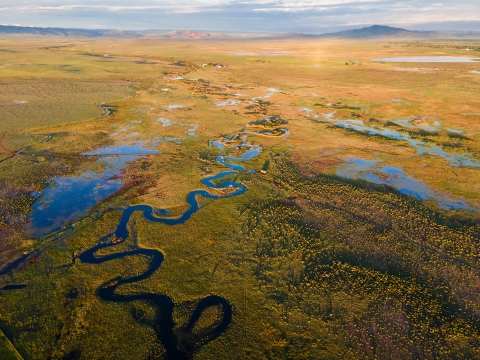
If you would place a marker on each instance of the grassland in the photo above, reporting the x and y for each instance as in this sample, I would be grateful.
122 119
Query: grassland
315 266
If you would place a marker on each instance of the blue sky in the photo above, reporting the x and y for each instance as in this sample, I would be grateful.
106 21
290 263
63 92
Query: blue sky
313 16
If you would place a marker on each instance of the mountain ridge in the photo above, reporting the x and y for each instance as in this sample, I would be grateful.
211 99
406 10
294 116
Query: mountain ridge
375 31
34 30
370 32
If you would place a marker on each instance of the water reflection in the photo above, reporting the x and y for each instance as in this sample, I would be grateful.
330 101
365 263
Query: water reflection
368 170
423 148
70 197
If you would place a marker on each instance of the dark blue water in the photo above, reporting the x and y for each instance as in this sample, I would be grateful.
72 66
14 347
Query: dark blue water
68 198
13 287
163 212
183 347
209 181
149 213
63 198
181 343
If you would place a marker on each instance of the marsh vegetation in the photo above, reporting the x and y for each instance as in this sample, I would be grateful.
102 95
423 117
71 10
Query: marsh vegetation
164 199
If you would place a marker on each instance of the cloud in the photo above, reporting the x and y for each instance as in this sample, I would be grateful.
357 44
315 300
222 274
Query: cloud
239 15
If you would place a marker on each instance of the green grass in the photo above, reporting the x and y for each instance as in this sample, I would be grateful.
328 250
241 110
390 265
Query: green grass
7 351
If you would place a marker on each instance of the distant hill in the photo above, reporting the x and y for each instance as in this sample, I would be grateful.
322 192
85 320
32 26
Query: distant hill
176 34
10 29
379 31
191 34
375 31
371 32
457 34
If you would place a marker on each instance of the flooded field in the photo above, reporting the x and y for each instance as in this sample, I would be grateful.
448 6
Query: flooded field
68 198
423 147
137 148
372 171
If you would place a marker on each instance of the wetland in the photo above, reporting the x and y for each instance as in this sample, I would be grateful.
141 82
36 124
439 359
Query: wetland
180 199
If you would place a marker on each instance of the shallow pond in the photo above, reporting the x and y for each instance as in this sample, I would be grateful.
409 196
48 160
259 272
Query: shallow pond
164 324
68 198
453 159
228 103
190 132
137 148
368 170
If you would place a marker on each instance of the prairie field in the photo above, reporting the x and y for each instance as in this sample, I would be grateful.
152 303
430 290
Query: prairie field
238 198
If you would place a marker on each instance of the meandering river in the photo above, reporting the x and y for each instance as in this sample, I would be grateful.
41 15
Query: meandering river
185 345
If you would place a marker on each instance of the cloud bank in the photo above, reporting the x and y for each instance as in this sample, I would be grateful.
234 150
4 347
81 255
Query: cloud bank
314 16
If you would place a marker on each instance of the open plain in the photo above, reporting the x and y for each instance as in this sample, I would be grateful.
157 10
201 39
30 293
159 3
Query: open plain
239 198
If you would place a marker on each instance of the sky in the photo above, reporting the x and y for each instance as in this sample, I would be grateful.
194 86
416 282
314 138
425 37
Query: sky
267 16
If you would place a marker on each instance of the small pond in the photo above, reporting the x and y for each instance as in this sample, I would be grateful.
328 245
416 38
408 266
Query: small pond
370 171
70 197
